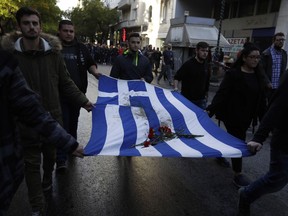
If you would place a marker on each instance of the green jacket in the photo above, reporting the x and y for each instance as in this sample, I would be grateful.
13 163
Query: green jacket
45 72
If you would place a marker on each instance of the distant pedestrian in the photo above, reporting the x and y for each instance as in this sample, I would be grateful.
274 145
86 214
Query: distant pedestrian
276 178
167 64
194 76
17 100
132 64
78 61
240 101
274 62
156 59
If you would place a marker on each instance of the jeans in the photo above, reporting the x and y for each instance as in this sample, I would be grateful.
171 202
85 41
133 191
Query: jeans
32 158
166 69
239 132
275 179
70 115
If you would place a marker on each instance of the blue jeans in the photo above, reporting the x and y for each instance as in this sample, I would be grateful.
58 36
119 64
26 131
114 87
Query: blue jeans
275 179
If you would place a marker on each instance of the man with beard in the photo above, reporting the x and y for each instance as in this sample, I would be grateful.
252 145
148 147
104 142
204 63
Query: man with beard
40 60
274 62
78 61
194 75
132 64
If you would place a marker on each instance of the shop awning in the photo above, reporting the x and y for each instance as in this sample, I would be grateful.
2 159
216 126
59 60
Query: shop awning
188 34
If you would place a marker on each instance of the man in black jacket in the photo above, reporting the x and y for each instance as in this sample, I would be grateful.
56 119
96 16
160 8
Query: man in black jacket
78 61
276 178
17 100
132 64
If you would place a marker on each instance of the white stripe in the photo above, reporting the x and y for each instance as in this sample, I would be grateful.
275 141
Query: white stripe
148 151
123 92
107 94
115 132
142 124
195 127
183 149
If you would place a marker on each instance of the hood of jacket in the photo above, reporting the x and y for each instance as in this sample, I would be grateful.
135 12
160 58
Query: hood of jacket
11 42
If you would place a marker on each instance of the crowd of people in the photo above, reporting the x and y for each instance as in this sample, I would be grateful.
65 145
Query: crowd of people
43 81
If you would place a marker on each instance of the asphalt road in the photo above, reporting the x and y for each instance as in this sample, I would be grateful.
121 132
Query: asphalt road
142 186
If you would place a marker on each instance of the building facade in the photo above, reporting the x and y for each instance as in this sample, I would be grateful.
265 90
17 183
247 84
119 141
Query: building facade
252 20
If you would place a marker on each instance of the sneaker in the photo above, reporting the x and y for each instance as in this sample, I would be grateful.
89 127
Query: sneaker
241 180
36 213
243 204
47 182
223 162
61 165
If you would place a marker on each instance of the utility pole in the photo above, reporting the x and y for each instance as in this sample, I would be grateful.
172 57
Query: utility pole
215 56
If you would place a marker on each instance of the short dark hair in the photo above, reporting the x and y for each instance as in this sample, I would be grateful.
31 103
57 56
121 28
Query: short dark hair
278 34
65 22
134 34
27 11
202 44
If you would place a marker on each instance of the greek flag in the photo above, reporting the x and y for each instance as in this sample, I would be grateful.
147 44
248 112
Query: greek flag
126 110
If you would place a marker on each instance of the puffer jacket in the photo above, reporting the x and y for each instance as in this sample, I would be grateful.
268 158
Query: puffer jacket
45 72
19 103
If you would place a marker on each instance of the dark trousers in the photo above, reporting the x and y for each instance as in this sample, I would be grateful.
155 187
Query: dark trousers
70 115
277 176
239 132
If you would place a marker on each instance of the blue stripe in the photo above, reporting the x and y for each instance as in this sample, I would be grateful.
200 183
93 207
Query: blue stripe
98 133
179 122
129 127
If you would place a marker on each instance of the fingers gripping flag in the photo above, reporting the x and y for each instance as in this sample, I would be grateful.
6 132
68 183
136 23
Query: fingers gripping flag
126 109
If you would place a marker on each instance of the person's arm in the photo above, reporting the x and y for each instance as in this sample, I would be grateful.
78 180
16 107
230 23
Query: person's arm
94 71
115 70
275 116
69 90
24 103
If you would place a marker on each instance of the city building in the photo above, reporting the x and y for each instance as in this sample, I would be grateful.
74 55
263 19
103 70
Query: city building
252 20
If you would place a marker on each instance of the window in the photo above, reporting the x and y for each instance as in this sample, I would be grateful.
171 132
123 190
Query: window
234 9
163 14
275 6
134 14
246 8
150 14
262 7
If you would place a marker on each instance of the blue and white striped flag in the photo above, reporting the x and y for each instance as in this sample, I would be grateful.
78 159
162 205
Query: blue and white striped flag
126 109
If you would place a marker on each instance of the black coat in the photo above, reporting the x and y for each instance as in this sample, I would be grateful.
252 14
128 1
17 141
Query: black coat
230 103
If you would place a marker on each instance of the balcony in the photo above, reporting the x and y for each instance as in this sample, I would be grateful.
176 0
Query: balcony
124 5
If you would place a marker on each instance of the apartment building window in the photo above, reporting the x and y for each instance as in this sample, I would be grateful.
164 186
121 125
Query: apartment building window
262 7
234 9
163 13
150 14
275 6
134 14
246 8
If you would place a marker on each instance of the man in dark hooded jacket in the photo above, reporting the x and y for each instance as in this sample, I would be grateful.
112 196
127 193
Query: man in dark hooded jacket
17 100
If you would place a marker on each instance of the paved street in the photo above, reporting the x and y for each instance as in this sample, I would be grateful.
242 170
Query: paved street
142 186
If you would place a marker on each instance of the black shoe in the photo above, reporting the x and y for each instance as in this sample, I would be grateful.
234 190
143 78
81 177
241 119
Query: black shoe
61 166
36 213
223 162
241 180
243 204
47 182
